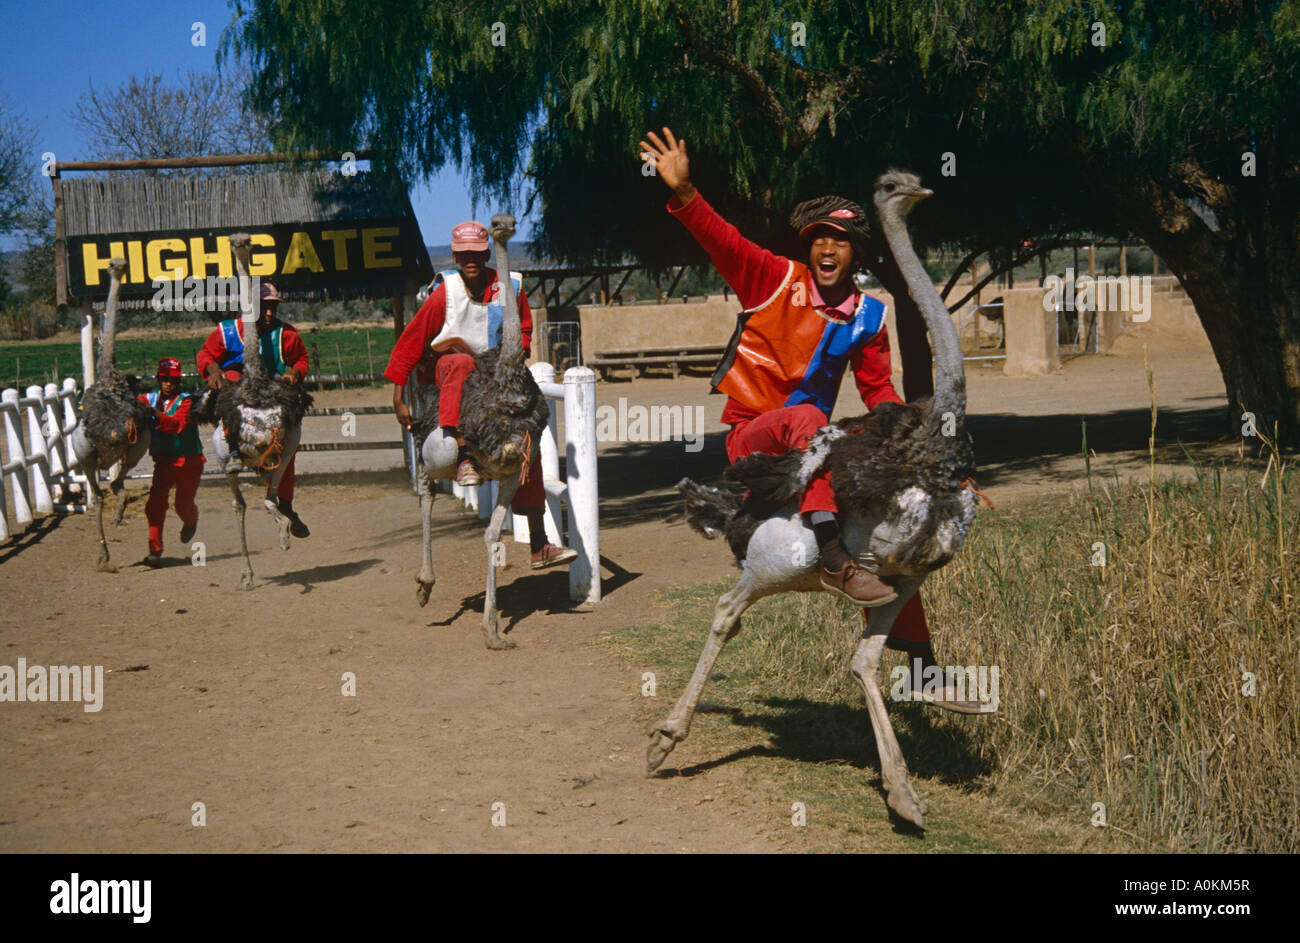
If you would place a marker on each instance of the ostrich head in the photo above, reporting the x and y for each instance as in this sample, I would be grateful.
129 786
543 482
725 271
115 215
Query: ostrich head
898 191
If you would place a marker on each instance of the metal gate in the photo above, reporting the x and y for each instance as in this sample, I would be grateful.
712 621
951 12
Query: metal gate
561 345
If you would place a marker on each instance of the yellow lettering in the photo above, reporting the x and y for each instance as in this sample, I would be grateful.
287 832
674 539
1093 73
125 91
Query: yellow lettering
135 258
262 263
200 258
92 264
340 239
371 247
301 253
175 268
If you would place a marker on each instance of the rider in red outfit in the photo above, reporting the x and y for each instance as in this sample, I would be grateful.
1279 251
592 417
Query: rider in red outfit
460 319
177 458
283 354
806 323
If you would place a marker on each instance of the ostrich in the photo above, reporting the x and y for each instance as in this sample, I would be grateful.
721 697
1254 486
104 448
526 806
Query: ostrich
115 427
502 416
258 420
901 477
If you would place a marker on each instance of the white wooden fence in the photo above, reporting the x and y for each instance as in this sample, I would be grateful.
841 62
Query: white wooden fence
38 472
579 490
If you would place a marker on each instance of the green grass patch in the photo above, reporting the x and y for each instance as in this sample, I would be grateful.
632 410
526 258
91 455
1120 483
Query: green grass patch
49 361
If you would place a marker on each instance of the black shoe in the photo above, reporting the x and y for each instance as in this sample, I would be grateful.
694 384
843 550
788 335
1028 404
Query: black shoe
187 531
296 527
154 560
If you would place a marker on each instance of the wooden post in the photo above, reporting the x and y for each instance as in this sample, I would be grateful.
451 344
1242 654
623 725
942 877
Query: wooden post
87 343
399 316
60 241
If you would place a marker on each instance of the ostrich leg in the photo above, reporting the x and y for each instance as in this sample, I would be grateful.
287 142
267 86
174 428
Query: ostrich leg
130 458
726 623
425 578
97 495
506 489
287 450
118 487
866 668
246 576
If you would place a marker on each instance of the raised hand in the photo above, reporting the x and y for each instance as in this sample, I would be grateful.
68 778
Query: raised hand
670 162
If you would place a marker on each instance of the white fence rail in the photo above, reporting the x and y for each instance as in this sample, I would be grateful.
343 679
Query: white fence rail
579 491
38 471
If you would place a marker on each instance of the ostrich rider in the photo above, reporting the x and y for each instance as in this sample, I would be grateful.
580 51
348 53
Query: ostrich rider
805 322
460 319
283 354
177 458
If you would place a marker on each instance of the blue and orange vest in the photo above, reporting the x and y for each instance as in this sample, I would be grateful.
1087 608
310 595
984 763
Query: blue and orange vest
785 353
270 346
173 445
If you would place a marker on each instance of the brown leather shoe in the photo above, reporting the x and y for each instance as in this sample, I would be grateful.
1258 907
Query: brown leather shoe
858 585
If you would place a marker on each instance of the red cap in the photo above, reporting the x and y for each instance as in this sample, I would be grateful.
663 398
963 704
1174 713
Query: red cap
169 368
469 236
269 293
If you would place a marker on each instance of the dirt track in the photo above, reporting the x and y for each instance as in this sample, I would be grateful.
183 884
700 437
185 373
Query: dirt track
240 708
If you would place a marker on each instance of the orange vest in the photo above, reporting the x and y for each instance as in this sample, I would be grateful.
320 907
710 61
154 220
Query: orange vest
784 352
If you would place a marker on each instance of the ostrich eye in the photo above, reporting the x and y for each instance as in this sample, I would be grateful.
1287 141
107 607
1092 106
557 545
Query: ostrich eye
891 187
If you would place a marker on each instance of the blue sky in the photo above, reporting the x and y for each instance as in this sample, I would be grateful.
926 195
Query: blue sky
52 51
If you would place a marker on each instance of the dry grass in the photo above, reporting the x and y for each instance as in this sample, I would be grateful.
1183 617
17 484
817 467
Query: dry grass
1126 684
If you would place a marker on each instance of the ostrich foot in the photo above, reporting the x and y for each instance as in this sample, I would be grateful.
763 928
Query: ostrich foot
494 638
246 580
281 522
422 590
497 642
907 804
102 564
120 510
661 744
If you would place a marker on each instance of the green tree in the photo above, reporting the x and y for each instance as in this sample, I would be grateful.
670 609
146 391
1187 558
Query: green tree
1171 123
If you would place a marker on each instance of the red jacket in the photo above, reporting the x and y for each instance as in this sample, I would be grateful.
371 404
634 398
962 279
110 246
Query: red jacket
214 350
754 274
172 425
412 348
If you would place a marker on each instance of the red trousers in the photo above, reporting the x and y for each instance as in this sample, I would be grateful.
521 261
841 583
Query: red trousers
183 473
449 373
781 430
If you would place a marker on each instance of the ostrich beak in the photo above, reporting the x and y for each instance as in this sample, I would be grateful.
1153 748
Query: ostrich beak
920 193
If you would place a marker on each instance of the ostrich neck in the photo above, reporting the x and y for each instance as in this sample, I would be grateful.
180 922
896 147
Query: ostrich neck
949 367
248 314
512 342
108 331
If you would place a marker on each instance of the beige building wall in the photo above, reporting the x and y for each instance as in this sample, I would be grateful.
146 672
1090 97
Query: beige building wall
1030 330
